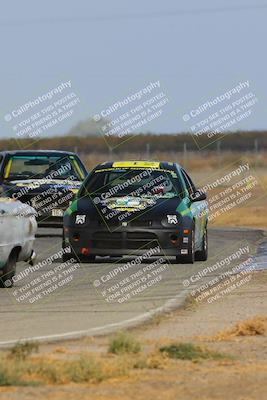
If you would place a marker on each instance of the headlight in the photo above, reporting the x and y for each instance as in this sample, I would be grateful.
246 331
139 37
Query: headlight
80 219
170 220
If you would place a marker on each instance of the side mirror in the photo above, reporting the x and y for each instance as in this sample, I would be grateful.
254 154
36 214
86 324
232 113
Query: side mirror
198 195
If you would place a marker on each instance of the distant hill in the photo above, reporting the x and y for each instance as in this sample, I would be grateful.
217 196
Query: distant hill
88 127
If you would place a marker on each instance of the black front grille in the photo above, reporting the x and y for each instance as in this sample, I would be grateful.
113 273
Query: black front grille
108 240
122 240
141 223
135 240
108 235
141 236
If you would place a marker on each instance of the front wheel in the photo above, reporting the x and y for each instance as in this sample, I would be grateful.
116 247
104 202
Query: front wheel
86 259
69 257
9 271
202 255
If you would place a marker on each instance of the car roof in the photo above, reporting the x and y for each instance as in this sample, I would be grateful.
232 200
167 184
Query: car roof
138 164
31 152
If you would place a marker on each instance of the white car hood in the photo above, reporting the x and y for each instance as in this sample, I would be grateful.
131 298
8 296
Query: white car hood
15 207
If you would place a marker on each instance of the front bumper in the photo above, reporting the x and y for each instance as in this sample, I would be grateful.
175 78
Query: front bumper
126 241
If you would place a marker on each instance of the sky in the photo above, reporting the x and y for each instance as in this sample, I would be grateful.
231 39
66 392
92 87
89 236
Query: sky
112 49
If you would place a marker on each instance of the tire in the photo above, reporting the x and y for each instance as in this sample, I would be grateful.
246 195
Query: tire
116 256
86 259
66 256
9 271
190 257
202 255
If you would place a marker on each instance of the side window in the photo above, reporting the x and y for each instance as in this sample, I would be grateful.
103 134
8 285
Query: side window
188 182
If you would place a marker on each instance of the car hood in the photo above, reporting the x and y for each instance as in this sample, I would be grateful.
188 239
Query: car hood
33 185
142 207
13 207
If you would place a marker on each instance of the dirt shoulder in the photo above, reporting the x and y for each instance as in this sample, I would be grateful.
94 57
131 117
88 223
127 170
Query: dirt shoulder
242 374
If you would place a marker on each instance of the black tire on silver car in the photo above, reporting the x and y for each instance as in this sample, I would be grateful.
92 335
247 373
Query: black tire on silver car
190 257
9 270
202 255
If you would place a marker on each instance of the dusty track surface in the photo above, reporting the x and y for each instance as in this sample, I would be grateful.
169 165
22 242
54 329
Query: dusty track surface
243 376
79 309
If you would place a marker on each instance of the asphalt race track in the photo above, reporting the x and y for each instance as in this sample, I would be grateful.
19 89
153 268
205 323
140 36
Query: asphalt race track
75 307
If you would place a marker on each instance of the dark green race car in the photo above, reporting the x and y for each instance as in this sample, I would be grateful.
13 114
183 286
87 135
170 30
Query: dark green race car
46 180
124 208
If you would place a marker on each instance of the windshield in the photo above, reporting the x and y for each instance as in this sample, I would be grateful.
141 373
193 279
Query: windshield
133 182
44 167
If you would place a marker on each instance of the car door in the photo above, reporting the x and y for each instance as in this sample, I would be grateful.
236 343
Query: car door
197 208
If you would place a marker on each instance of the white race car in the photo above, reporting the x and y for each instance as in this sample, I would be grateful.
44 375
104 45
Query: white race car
17 234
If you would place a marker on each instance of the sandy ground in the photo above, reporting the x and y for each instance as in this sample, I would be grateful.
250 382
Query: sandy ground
243 377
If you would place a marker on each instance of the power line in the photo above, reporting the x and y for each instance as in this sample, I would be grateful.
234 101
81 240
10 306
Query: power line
99 18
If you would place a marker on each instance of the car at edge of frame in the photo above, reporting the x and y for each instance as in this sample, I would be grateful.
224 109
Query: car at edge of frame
16 239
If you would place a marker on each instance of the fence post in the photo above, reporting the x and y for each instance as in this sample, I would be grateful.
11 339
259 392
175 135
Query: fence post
148 151
219 152
256 151
185 153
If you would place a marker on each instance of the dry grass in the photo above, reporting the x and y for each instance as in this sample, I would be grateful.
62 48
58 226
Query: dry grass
85 367
49 370
190 303
123 343
253 216
192 161
189 351
22 350
250 327
60 350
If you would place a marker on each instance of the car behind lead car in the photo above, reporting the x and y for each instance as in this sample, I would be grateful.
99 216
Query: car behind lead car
44 179
124 208
17 233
